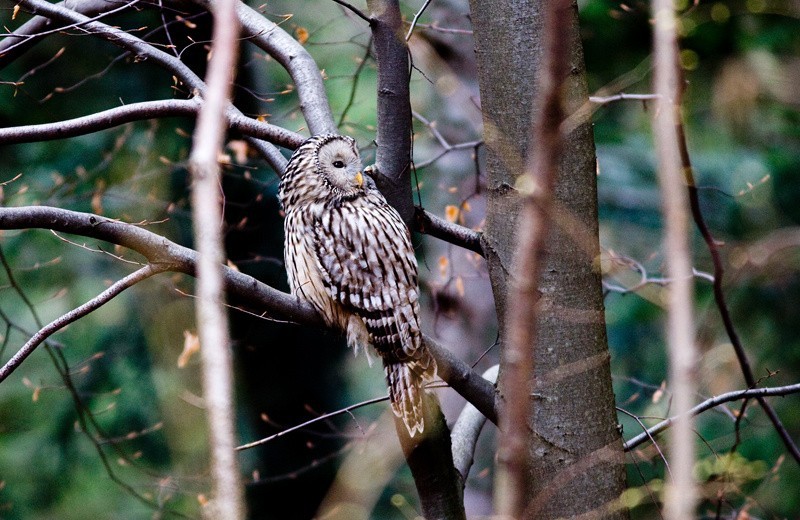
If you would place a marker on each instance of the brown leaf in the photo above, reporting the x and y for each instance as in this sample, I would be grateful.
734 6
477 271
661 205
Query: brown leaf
191 345
451 213
301 33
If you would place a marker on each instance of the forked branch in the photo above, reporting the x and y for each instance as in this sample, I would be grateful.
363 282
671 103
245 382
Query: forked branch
169 256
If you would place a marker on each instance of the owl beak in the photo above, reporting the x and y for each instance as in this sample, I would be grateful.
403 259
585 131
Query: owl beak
359 178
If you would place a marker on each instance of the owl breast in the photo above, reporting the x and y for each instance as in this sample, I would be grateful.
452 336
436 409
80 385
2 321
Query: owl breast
302 269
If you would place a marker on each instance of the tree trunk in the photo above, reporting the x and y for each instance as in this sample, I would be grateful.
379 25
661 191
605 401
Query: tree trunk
575 450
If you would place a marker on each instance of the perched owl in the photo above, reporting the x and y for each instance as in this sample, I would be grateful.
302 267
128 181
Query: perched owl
349 253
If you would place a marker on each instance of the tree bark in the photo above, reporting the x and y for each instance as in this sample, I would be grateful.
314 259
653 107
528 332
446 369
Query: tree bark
393 156
574 446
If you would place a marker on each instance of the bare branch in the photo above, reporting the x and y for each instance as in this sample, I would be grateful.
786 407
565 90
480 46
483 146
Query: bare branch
602 100
356 76
461 378
446 146
161 251
77 313
466 431
438 227
294 58
708 405
355 10
261 31
74 25
119 37
416 18
99 121
681 495
719 294
152 110
323 417
210 312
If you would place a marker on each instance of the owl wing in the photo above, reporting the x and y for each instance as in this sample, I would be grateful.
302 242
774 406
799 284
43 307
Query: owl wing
368 266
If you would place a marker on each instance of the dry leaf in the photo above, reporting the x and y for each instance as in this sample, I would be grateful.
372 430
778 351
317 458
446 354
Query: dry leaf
451 213
460 286
239 149
97 197
301 33
658 394
443 263
191 345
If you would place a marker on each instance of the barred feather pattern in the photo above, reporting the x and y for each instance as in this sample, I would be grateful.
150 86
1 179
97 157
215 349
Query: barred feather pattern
349 253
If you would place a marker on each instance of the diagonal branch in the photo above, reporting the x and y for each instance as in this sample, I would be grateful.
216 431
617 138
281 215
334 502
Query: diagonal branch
355 10
708 404
438 227
461 378
294 58
77 313
157 249
466 431
176 258
719 295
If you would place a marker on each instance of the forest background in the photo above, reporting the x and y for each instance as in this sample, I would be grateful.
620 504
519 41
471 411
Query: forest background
131 361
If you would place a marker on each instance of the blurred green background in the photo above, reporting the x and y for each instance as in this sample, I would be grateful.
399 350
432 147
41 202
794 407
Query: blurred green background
106 423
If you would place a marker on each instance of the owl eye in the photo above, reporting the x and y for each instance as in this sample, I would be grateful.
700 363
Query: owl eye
338 164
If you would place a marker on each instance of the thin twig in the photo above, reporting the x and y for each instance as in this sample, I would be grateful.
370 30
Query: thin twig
708 404
434 27
138 48
85 417
323 417
416 17
601 100
98 301
356 75
649 436
355 10
75 25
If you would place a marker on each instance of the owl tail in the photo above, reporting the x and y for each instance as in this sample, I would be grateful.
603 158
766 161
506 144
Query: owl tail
405 393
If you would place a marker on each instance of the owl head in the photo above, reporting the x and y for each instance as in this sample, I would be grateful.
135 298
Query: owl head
324 168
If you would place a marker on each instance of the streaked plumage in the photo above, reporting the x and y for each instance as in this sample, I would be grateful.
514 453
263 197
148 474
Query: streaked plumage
349 253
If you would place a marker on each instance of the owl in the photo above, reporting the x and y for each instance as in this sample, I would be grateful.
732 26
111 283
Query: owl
349 253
